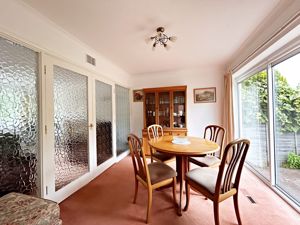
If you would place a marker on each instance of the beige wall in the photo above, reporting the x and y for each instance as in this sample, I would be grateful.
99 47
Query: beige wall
198 114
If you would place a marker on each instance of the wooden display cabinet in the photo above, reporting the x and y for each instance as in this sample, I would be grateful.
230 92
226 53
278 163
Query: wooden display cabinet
165 106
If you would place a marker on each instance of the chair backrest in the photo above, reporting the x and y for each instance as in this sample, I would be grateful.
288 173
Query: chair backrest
138 157
217 134
230 174
155 131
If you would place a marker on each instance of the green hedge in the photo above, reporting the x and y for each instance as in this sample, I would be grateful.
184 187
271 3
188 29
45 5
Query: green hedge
293 161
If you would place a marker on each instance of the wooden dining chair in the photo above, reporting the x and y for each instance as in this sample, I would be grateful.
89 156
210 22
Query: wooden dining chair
156 131
218 184
213 133
151 176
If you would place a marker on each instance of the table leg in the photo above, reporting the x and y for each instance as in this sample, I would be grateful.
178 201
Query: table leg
181 167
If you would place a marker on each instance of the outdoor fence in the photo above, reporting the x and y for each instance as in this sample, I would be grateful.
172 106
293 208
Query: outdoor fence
259 152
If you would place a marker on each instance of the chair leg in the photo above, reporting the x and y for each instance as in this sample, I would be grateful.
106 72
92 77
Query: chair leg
174 191
151 155
136 190
187 192
216 213
149 204
236 208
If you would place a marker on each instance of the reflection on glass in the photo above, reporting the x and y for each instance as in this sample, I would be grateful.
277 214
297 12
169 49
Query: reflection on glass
19 123
287 125
71 126
254 121
164 109
150 108
179 109
122 117
103 121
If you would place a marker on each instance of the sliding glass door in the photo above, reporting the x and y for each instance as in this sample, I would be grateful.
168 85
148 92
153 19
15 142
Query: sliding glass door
254 120
269 115
287 125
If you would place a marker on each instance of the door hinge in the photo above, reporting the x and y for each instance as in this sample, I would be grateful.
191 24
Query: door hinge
46 190
45 69
45 129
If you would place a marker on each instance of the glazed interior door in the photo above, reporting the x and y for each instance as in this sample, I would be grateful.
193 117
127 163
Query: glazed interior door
19 119
104 125
70 125
67 133
122 118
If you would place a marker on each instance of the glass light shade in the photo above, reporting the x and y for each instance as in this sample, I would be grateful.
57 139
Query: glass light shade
173 38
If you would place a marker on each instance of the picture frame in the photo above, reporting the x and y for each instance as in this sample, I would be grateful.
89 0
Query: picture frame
138 95
205 95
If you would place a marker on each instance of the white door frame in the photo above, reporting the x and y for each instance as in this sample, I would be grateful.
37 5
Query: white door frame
48 151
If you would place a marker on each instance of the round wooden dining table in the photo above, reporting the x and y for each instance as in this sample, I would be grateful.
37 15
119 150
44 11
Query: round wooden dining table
197 146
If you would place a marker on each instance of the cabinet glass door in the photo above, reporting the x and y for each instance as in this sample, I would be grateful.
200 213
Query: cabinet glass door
164 109
179 109
150 108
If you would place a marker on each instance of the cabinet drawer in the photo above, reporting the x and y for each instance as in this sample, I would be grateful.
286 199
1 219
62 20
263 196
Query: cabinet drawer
178 133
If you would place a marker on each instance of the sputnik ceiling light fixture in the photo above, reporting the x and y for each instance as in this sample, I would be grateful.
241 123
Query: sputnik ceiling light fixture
161 38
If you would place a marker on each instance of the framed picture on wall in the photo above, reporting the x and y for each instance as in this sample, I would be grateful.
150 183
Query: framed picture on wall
138 95
205 95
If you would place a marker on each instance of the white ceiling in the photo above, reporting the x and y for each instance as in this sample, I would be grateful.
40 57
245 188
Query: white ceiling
209 31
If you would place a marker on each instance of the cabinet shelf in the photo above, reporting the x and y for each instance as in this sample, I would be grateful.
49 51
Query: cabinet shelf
160 104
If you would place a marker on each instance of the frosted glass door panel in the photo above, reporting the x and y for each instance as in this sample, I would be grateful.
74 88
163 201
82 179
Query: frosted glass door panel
123 118
103 121
19 119
70 126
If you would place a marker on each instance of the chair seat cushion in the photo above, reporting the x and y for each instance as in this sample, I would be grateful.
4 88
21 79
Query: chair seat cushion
207 161
159 171
205 177
162 156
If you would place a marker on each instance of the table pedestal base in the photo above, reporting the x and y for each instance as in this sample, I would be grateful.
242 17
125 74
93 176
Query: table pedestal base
182 169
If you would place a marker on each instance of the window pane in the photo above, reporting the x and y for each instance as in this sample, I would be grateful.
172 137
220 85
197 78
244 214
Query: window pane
103 121
287 125
254 120
71 126
123 118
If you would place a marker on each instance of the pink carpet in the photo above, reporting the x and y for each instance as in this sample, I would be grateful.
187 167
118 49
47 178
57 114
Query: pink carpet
108 200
